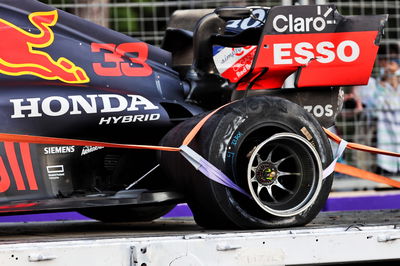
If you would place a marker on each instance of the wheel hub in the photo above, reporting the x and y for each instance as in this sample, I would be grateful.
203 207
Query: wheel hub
284 174
266 173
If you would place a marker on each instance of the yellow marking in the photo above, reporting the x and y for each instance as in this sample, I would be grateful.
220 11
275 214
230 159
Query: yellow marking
31 45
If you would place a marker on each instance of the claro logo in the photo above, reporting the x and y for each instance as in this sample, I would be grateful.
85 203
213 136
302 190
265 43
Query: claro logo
291 23
78 104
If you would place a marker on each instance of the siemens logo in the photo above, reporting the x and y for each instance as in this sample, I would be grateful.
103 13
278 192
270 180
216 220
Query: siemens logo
59 150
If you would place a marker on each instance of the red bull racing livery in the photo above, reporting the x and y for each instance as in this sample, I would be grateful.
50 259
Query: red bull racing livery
20 55
119 130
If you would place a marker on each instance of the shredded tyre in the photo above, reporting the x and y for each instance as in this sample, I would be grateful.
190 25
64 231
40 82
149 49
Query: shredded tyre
270 147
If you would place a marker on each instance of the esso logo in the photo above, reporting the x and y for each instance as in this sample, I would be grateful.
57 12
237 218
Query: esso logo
324 52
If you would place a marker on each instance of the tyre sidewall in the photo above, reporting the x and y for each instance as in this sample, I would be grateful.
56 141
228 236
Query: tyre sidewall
238 122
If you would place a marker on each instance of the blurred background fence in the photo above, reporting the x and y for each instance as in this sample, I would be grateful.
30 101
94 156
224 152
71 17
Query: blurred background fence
147 21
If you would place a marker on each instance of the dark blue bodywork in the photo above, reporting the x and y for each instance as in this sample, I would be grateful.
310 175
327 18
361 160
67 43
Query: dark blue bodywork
119 104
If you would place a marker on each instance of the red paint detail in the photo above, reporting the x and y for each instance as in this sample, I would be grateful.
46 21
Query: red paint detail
340 73
27 161
20 52
238 53
4 177
315 73
109 57
12 159
136 53
140 67
240 68
62 141
21 205
246 80
80 74
66 64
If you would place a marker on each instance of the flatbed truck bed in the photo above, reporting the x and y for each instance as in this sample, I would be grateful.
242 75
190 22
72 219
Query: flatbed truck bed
332 238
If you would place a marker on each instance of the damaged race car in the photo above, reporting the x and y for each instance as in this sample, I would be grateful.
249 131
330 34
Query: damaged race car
119 130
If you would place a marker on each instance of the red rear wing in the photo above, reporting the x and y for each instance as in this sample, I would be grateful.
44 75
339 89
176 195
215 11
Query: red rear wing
323 47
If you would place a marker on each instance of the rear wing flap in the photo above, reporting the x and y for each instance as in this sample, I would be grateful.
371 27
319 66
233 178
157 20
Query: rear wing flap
322 47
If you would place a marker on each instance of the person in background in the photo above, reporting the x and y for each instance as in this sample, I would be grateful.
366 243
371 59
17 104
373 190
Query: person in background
387 103
365 131
372 114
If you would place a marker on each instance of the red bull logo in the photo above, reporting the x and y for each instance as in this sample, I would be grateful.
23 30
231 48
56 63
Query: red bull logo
19 54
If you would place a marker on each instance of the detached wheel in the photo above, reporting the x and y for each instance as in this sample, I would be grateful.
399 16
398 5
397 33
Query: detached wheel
270 147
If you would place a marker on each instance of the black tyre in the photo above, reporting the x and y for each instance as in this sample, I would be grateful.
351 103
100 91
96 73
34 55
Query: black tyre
270 147
127 213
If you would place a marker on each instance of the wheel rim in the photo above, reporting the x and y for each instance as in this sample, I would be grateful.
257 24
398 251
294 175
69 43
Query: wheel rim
284 174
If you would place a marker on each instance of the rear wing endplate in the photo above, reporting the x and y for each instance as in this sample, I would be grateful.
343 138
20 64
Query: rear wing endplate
322 47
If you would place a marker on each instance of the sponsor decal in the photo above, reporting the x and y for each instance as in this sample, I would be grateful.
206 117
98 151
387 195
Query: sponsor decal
128 119
126 59
59 150
89 149
236 138
19 54
55 106
234 63
54 172
296 24
323 52
320 110
316 55
242 24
